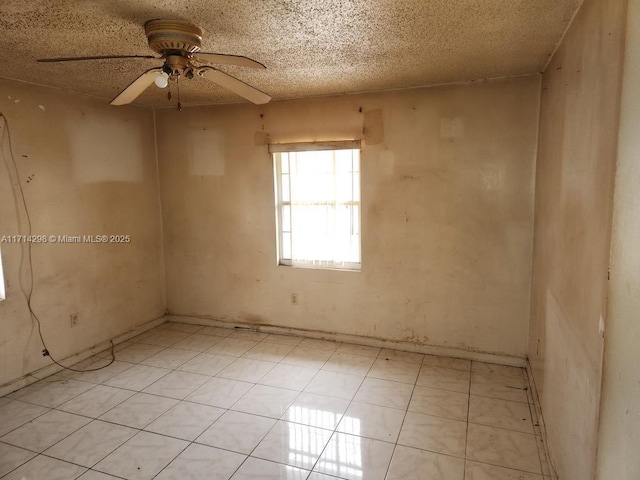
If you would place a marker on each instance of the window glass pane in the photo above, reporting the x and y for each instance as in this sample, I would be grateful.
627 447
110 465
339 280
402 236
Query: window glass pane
286 246
286 218
286 194
356 186
319 206
355 220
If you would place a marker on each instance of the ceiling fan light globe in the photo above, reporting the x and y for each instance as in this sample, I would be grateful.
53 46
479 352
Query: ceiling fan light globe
162 80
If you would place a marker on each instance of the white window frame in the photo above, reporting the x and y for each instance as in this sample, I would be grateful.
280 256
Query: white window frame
275 149
3 295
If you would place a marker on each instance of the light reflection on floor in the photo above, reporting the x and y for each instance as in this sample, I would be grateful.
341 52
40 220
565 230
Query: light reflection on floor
342 455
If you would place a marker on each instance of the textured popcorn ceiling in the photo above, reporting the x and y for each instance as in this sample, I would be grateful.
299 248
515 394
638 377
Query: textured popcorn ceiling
309 47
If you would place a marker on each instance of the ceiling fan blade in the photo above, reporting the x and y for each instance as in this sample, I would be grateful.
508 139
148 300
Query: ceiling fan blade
236 86
106 57
221 58
138 86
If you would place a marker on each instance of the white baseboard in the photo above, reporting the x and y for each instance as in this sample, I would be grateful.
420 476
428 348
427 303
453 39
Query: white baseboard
546 459
43 372
336 337
358 340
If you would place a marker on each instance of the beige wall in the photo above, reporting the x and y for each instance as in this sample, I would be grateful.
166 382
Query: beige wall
86 168
619 438
574 188
447 179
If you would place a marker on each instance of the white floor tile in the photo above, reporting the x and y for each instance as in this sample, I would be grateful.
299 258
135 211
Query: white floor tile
206 364
333 384
395 370
142 457
139 410
436 434
247 370
198 342
316 410
321 476
258 469
169 358
289 376
372 421
237 431
444 378
499 386
482 471
307 357
355 458
186 420
52 391
44 431
200 462
98 376
93 475
177 384
385 393
137 377
441 403
266 401
12 457
91 443
42 467
413 464
96 401
269 352
500 413
232 347
295 405
14 413
349 363
220 392
505 448
293 444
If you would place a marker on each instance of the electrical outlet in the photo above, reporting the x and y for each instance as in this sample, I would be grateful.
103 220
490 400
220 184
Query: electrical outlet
294 298
74 320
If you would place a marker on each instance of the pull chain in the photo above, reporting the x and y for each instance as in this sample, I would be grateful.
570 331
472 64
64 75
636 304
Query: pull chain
178 90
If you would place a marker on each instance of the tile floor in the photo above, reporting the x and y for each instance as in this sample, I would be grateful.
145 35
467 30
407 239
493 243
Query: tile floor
191 402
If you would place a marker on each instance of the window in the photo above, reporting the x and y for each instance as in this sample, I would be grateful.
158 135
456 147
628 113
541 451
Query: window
318 204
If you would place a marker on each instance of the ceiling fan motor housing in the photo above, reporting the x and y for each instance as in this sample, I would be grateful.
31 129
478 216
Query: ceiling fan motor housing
173 36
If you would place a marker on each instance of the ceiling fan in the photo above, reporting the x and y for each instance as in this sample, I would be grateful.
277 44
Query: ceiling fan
178 44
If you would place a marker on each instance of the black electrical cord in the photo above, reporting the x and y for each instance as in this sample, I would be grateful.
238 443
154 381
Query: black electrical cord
16 189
